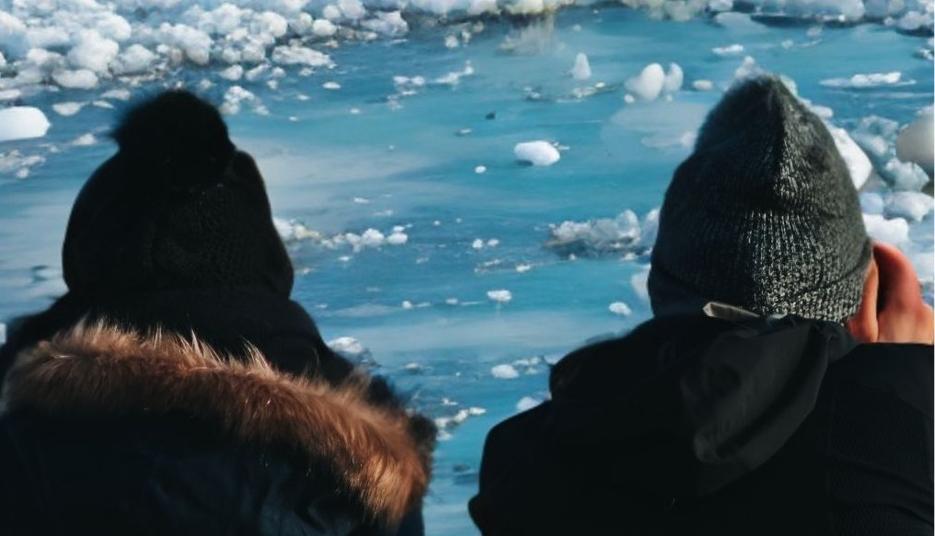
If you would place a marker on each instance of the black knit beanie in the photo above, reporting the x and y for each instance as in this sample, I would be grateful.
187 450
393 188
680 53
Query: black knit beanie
763 215
177 207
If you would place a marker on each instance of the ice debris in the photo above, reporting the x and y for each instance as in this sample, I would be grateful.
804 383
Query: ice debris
537 153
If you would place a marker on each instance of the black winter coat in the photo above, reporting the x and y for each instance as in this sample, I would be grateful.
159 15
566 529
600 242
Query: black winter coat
696 425
109 426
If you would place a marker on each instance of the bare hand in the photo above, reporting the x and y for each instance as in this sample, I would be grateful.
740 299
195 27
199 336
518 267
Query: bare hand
892 309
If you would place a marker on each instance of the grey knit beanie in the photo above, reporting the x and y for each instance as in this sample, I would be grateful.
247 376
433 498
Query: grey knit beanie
763 215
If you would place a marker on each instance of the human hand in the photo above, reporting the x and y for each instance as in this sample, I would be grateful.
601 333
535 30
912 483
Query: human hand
892 309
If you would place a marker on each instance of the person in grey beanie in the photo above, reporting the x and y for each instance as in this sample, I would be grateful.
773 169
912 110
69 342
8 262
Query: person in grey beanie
784 385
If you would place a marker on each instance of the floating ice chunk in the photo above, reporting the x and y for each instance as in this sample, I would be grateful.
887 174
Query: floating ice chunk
582 68
397 238
858 165
370 238
504 372
729 50
523 268
14 163
915 143
674 78
720 5
299 55
624 234
93 52
67 109
22 122
352 9
703 85
537 153
12 34
875 135
324 28
232 73
77 79
748 68
526 403
913 206
493 242
640 284
84 140
480 170
865 80
193 43
406 304
133 60
293 230
388 24
353 350
233 97
453 78
620 308
117 94
904 175
871 203
333 86
738 21
477 243
499 296
649 83
892 231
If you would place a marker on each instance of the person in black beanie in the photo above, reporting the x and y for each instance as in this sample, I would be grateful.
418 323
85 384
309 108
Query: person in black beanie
784 385
175 388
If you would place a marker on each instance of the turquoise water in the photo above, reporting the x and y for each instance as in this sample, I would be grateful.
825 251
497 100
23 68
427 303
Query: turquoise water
364 156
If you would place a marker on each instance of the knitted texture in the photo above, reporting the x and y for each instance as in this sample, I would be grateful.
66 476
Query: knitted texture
763 214
177 207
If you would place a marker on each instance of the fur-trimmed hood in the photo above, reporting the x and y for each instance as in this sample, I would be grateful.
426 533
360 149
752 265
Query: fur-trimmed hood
102 370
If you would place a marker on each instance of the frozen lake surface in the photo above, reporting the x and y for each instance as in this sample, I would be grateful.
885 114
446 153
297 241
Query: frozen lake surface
414 229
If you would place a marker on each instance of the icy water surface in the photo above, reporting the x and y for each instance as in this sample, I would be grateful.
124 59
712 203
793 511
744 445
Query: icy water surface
413 140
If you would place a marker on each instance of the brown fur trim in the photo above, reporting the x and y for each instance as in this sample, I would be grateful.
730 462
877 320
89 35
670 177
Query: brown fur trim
103 370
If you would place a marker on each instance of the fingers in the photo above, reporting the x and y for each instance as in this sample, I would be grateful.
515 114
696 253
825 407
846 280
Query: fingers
899 284
863 325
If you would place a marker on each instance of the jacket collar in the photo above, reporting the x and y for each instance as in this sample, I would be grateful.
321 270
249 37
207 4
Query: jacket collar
102 370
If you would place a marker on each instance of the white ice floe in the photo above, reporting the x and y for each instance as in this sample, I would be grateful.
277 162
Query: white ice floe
916 142
871 203
527 403
729 50
582 67
232 73
480 170
499 296
397 238
748 68
913 206
22 122
904 175
639 282
333 86
858 164
860 81
291 230
17 164
620 308
75 79
674 78
626 234
454 78
299 55
504 372
648 84
893 231
84 140
703 85
68 108
537 153
353 350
